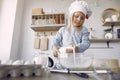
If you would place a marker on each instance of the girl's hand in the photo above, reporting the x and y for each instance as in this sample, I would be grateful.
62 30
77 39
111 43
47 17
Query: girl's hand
70 50
55 51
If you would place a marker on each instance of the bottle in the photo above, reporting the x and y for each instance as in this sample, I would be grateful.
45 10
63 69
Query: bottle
91 36
44 59
36 58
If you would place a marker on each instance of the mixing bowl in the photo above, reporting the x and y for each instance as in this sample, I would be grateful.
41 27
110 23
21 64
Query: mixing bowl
75 60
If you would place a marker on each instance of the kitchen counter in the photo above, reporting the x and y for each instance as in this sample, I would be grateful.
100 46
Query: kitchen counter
63 76
99 64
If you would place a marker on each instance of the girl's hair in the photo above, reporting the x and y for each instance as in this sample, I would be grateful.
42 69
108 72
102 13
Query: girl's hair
69 24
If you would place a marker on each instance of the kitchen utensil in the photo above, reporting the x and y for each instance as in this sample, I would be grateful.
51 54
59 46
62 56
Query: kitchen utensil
44 59
37 41
103 64
118 33
108 35
37 58
108 19
76 61
114 18
18 62
44 42
28 62
83 75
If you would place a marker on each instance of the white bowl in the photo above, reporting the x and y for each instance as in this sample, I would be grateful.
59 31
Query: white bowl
28 63
18 62
108 19
114 18
8 62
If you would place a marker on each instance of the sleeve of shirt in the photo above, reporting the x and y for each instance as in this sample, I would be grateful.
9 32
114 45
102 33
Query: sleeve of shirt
57 41
85 43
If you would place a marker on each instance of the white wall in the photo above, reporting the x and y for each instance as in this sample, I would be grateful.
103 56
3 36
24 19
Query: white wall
0 10
7 17
27 38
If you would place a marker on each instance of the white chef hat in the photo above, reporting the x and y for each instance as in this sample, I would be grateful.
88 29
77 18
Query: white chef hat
80 6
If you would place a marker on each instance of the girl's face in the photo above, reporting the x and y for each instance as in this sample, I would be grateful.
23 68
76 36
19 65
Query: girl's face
78 19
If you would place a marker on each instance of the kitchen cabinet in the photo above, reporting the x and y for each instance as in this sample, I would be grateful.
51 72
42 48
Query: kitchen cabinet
48 22
104 40
115 23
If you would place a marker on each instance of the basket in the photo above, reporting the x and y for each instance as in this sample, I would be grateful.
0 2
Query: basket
107 13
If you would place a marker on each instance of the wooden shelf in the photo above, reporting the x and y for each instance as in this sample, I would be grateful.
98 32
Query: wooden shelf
54 27
48 22
109 24
48 14
105 40
116 23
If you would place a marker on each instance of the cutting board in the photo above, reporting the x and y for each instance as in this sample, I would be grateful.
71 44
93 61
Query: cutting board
106 64
37 43
44 43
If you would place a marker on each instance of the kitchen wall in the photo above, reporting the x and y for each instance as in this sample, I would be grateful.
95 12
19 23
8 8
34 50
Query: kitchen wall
25 41
26 50
7 18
